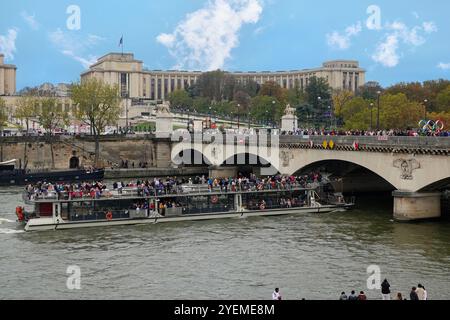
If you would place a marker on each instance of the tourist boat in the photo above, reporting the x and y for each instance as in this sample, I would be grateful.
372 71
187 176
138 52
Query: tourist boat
131 207
10 176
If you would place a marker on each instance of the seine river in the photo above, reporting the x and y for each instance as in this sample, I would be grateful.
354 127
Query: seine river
310 256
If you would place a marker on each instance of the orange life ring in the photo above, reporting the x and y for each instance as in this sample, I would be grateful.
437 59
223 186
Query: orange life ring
214 199
109 216
19 214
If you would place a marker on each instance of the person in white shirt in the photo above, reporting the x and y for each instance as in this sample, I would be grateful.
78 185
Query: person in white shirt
276 295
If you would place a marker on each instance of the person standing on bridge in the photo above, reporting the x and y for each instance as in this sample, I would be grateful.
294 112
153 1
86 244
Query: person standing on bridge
385 291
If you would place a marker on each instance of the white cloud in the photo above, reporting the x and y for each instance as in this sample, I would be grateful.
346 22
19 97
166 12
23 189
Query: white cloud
8 43
30 20
340 41
76 46
85 62
429 27
205 38
386 52
444 66
166 39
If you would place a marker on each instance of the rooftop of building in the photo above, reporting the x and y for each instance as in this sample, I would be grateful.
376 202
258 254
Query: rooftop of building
129 57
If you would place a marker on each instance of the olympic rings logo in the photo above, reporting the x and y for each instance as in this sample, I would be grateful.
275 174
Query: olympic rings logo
431 126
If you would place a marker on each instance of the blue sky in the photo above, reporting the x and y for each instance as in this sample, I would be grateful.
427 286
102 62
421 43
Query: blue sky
408 43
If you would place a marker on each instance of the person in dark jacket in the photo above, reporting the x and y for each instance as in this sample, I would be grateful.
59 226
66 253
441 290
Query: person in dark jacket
385 291
413 294
353 296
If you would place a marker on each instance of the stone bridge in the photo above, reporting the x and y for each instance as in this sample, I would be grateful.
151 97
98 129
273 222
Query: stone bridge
417 168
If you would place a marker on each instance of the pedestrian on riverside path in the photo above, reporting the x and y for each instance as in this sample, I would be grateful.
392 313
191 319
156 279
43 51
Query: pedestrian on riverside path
413 294
276 295
385 291
421 292
343 296
353 296
362 296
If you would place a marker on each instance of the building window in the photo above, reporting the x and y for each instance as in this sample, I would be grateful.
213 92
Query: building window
159 89
172 85
166 87
152 89
123 84
179 84
144 91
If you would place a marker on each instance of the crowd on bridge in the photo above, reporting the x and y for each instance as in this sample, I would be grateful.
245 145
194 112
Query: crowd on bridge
366 133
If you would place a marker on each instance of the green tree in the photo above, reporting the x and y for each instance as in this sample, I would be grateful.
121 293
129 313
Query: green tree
443 100
181 99
318 94
266 109
51 118
202 105
214 85
25 111
98 105
3 116
369 91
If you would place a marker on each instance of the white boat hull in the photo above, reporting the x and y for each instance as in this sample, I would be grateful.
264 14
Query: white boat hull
49 224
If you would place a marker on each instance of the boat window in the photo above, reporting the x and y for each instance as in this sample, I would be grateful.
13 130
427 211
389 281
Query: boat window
279 200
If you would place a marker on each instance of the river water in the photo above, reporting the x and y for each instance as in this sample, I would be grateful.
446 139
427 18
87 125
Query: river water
310 256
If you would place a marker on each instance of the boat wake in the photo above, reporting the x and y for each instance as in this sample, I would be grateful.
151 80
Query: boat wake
10 231
3 220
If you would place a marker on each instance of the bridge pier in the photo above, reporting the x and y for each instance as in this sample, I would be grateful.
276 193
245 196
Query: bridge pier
409 206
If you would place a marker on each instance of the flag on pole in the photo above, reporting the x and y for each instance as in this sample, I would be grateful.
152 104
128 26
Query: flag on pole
121 42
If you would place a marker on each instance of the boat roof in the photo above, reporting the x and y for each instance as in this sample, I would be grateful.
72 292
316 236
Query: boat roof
165 196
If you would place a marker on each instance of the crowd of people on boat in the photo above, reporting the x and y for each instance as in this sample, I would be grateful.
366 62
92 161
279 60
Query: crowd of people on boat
168 186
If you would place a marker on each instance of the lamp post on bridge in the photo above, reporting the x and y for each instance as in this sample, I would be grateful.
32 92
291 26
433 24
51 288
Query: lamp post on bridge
371 117
425 109
378 110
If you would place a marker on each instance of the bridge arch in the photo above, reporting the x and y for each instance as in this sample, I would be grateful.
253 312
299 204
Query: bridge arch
378 167
439 185
249 160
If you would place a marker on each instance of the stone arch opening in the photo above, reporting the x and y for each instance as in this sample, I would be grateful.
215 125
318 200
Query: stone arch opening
74 162
191 158
440 185
349 177
248 163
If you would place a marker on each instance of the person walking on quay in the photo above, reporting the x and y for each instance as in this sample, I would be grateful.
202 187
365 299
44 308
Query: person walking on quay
276 295
362 296
385 291
413 294
343 296
421 293
353 296
399 296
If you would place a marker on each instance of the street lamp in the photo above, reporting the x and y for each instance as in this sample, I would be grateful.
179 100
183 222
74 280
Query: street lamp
425 109
371 122
329 110
238 113
319 99
210 117
273 110
378 110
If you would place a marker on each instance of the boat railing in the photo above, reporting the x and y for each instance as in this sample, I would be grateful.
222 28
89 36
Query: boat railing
135 191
